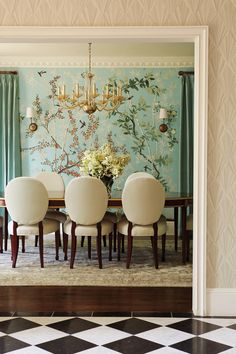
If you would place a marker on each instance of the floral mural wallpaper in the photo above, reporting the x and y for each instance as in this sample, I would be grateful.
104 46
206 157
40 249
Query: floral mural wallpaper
63 136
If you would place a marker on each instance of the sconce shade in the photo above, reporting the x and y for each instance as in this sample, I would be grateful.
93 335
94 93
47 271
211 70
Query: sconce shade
29 112
163 113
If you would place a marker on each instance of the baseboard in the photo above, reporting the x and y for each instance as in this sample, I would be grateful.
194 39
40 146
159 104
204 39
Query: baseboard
221 302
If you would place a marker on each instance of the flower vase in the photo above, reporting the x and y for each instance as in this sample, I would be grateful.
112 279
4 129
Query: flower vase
108 181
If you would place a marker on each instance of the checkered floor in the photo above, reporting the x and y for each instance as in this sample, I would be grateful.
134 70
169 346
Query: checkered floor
104 334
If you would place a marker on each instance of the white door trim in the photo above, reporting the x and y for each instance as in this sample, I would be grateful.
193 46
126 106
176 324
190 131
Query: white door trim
199 36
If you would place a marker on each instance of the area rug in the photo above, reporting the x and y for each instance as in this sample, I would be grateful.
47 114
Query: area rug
86 272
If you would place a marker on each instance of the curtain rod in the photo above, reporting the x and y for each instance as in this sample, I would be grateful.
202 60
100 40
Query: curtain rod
9 72
181 73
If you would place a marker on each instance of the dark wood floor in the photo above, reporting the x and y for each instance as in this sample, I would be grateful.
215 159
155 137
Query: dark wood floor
91 298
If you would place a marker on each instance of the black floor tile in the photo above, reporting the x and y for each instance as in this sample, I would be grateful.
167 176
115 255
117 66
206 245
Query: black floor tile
133 345
8 344
194 326
232 327
112 314
198 345
73 325
150 314
66 345
133 326
16 325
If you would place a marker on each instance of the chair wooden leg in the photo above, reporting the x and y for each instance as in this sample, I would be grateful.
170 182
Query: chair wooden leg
155 247
163 239
41 244
82 241
110 246
129 251
57 243
36 241
155 251
65 245
99 247
73 244
130 245
15 244
89 247
23 243
118 246
1 240
99 251
104 241
114 235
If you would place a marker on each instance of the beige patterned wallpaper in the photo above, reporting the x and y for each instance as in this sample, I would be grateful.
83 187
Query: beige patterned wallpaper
220 16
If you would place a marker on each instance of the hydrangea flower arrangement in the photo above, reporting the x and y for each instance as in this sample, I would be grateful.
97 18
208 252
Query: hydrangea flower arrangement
103 162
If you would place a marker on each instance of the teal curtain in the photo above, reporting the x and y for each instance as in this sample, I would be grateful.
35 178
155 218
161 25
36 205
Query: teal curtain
186 134
10 165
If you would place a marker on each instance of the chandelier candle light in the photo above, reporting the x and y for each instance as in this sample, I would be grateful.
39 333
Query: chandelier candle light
87 97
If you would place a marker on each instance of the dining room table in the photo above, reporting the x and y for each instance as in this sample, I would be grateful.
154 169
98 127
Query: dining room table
175 200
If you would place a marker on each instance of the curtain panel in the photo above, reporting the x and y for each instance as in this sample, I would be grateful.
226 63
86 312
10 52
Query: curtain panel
186 134
10 165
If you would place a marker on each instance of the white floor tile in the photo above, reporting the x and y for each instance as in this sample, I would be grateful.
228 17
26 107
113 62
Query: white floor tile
30 350
223 335
101 335
105 320
5 318
165 336
229 351
166 350
47 320
38 335
98 350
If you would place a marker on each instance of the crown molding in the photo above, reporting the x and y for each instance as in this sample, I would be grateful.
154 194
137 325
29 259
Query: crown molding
97 62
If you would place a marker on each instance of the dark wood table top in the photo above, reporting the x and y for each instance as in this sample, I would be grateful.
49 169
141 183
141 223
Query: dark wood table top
173 199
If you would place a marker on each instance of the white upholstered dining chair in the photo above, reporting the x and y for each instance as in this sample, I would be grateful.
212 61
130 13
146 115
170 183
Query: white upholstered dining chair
55 187
86 202
138 174
27 203
143 200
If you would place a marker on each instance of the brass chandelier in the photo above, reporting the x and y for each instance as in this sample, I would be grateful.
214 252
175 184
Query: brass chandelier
88 98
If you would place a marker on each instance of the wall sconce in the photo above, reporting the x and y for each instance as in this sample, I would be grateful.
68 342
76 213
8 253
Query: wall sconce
29 114
163 115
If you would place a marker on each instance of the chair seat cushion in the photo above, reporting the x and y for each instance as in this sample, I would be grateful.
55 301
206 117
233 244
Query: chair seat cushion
88 230
49 226
1 221
142 230
56 215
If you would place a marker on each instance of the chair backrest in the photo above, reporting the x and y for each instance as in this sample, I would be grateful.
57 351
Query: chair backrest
139 174
53 182
143 200
86 200
26 200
